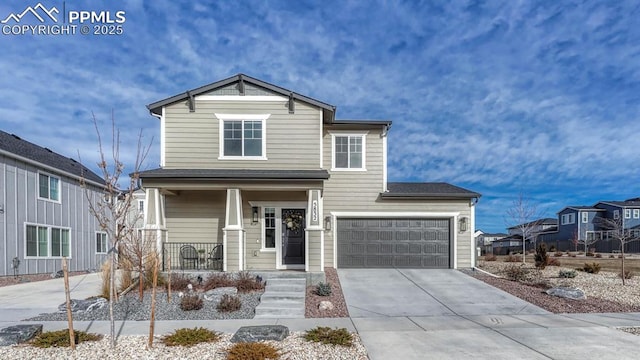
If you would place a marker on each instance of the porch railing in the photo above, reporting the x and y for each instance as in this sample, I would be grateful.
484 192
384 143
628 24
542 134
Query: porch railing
192 256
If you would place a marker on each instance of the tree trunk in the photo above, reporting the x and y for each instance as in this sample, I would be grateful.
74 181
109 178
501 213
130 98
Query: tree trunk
140 276
169 279
72 337
152 319
112 287
622 274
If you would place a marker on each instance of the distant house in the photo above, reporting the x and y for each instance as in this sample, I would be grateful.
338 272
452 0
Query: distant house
485 240
507 245
44 212
583 224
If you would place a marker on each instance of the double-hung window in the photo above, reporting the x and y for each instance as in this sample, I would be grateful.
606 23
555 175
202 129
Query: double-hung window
243 136
636 213
101 242
49 187
348 151
44 241
627 213
585 217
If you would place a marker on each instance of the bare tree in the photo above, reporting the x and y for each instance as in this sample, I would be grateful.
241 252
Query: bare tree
577 240
114 208
617 232
522 213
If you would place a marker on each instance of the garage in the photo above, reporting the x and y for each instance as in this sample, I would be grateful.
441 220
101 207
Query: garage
394 243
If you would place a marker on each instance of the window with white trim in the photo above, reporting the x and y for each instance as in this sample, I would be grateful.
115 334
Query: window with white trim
585 217
269 238
101 242
568 219
636 213
141 206
49 187
627 213
616 214
242 136
348 151
44 241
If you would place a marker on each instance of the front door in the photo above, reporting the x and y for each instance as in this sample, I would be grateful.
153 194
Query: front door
293 225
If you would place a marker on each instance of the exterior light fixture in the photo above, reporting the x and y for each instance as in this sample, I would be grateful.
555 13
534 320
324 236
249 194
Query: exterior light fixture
254 214
327 223
463 224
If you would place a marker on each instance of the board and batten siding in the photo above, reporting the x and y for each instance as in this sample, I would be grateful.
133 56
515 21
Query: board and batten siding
359 191
192 138
19 198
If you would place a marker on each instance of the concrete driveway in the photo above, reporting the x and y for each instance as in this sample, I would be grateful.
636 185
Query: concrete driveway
445 314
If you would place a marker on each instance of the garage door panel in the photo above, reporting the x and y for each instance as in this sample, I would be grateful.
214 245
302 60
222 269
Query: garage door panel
386 243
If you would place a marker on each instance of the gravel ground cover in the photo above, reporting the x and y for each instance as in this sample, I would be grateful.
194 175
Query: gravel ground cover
313 300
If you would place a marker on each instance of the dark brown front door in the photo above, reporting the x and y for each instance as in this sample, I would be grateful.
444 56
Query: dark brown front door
293 222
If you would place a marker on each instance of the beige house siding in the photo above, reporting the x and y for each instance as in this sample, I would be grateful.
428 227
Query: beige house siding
192 138
195 216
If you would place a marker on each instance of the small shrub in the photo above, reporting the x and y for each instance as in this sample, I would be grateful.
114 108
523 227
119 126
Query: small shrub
590 254
567 274
612 256
490 257
190 337
253 351
558 254
573 255
179 282
598 255
515 273
191 302
541 257
218 280
327 335
553 262
552 248
628 274
105 275
323 289
247 282
592 268
229 303
513 258
620 256
60 338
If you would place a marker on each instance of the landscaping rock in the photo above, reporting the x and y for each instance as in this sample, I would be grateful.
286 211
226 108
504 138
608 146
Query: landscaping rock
260 333
16 334
216 294
84 305
567 292
325 305
57 274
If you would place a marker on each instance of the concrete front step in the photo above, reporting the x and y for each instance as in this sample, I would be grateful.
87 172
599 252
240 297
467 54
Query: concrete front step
283 298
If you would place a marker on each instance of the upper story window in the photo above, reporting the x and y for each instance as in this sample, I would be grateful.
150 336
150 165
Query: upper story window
585 217
616 214
141 206
243 136
627 213
636 213
568 219
348 151
49 187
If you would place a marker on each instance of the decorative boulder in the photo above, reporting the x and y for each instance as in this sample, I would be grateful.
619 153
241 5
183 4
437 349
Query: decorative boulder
19 333
567 293
260 333
84 305
216 294
325 305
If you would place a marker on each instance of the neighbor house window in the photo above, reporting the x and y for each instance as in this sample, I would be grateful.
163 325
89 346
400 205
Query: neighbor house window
49 187
141 206
242 136
627 213
269 228
616 214
585 217
568 219
636 213
44 241
101 243
348 151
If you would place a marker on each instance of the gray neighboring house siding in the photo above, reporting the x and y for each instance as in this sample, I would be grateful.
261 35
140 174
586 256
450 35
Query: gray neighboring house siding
21 164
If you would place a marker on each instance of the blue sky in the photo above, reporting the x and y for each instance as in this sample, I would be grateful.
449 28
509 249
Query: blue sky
501 97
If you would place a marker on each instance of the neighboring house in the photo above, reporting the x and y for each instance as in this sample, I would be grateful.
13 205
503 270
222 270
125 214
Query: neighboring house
485 241
507 245
280 183
44 212
534 229
583 224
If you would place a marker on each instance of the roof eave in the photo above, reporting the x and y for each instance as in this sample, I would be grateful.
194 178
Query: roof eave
429 196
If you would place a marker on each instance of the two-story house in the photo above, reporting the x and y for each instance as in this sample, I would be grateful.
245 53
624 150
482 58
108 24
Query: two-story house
275 179
44 212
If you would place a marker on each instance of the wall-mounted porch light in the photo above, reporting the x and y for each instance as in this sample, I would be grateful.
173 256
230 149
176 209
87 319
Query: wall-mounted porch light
327 223
463 224
254 214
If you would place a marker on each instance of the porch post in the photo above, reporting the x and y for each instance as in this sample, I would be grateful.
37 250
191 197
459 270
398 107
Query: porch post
314 246
233 232
154 217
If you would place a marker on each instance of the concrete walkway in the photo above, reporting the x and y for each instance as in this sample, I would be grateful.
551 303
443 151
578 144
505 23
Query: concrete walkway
469 319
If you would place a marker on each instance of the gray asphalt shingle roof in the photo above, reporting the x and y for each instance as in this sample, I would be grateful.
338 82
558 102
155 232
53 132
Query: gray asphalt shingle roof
13 144
427 190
